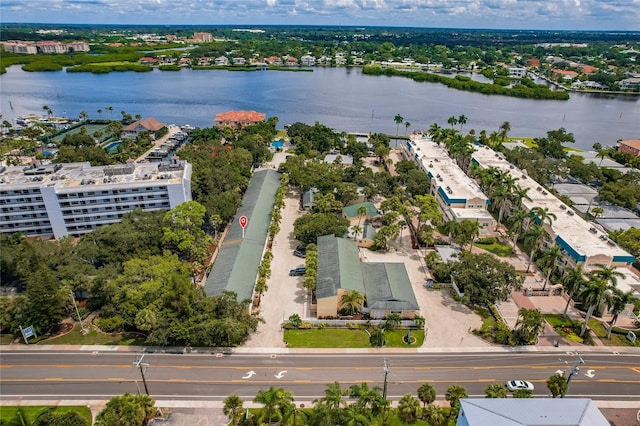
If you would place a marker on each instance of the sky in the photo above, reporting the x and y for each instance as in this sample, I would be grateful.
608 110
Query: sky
490 14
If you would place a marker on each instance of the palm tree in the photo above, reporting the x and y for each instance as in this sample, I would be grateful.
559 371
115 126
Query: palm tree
83 115
355 231
519 194
462 120
435 132
608 274
572 281
534 237
100 112
408 409
110 109
233 408
392 322
377 337
529 325
518 223
426 393
452 228
505 128
334 396
593 294
557 385
362 212
502 201
398 119
433 414
351 302
548 259
452 121
495 390
406 127
272 399
351 416
369 399
454 394
48 110
616 304
543 215
597 212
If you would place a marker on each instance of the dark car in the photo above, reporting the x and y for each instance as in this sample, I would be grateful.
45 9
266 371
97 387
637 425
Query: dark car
300 251
297 272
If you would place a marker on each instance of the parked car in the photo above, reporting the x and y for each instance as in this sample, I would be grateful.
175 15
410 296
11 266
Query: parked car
297 272
300 251
514 385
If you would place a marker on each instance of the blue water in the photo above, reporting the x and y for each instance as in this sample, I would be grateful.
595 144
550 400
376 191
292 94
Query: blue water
277 144
343 99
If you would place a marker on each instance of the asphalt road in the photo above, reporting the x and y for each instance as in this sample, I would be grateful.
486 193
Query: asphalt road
100 375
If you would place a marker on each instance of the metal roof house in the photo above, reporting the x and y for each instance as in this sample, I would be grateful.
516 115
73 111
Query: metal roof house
350 212
236 267
529 412
386 286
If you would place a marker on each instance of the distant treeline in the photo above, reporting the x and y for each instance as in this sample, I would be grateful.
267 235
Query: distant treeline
526 90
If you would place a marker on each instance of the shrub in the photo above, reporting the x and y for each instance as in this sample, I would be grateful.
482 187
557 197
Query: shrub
487 240
353 326
115 323
305 326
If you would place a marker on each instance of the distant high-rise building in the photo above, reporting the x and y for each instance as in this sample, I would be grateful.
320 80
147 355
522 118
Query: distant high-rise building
203 37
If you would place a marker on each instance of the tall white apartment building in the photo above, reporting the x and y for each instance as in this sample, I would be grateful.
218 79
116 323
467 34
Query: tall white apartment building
459 196
57 200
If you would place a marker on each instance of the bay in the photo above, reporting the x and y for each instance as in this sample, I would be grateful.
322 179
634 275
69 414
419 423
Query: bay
343 99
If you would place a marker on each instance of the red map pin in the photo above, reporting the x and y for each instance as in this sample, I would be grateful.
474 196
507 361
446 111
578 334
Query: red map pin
243 221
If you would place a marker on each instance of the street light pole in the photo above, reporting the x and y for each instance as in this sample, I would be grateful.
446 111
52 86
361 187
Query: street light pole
574 369
384 390
141 366
75 305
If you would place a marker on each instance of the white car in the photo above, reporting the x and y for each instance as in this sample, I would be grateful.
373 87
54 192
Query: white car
514 385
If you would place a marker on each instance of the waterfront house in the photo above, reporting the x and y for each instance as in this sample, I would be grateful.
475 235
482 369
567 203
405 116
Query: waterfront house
631 146
222 61
148 125
237 119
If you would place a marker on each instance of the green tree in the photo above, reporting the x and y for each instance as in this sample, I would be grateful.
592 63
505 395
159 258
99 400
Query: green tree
548 259
233 408
334 396
495 390
295 320
593 294
534 237
309 227
368 399
272 399
46 302
408 409
392 322
377 337
127 409
462 120
83 115
523 393
53 418
183 232
504 130
529 324
572 281
616 304
434 415
351 302
553 145
48 110
454 394
557 385
484 279
426 393
398 120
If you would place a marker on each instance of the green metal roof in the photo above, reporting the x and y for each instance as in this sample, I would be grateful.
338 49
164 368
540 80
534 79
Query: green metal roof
386 285
352 210
236 267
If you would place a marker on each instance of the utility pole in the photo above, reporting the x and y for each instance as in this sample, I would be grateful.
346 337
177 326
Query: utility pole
574 369
75 305
141 366
384 391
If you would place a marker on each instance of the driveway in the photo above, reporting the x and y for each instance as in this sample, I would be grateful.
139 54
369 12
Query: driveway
285 295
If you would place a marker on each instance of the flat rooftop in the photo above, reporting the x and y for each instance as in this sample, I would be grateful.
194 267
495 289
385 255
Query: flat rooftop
435 161
579 234
71 175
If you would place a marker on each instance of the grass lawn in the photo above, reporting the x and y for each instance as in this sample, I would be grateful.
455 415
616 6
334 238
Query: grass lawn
502 250
90 128
566 327
7 413
95 338
344 338
617 339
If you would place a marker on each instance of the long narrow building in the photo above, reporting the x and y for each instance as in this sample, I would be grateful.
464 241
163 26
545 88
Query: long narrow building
459 196
580 240
57 200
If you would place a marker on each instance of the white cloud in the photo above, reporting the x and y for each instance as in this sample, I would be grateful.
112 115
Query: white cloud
525 14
